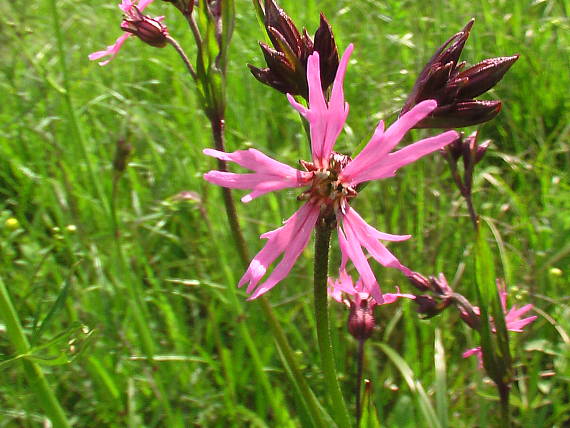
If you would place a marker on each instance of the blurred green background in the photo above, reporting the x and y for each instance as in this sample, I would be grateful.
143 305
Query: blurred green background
89 257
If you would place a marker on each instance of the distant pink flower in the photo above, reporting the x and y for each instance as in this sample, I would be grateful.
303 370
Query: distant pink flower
129 7
513 320
332 179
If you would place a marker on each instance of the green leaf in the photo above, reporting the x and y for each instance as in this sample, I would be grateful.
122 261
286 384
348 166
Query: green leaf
495 347
415 386
57 306
369 417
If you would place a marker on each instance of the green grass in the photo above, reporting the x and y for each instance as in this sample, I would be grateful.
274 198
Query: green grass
96 303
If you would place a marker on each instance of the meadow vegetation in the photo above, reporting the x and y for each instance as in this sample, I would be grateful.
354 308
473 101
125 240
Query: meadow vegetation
125 284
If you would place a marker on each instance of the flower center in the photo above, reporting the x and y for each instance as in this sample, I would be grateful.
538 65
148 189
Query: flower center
327 189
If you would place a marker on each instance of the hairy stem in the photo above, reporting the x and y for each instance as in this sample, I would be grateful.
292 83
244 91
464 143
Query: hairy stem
322 243
357 387
505 412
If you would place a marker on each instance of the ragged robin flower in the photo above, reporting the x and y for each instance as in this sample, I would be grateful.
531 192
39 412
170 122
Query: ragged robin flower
332 179
287 60
444 80
513 320
150 30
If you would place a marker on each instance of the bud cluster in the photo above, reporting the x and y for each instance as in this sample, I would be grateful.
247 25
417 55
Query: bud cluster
286 61
454 89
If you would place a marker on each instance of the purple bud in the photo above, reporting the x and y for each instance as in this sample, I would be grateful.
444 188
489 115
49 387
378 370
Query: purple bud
361 320
455 90
455 149
419 281
123 150
461 114
481 150
483 76
294 49
184 6
149 30
328 53
429 306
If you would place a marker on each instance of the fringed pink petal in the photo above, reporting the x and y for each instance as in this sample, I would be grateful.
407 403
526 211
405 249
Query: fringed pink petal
270 175
351 250
366 236
289 240
475 351
143 4
382 143
392 297
518 325
388 166
111 50
326 121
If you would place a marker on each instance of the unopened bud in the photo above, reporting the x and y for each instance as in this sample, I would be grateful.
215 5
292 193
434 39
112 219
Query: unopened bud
455 90
455 149
430 307
123 150
483 76
481 150
419 281
440 285
184 6
149 30
287 60
361 320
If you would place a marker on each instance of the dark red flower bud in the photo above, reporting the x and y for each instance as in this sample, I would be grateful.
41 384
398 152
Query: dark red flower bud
361 320
287 61
123 151
440 285
483 76
328 53
419 281
481 150
184 6
455 149
454 90
149 30
430 307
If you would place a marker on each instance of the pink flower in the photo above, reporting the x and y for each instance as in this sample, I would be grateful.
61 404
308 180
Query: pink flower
344 285
513 320
361 320
331 179
129 8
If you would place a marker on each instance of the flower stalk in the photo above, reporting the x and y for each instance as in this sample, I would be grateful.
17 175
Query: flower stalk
322 245
357 387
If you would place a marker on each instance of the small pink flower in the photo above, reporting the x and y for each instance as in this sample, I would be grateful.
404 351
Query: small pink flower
344 291
361 321
513 320
332 179
129 8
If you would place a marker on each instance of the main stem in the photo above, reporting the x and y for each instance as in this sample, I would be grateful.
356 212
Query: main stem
285 349
34 374
505 412
322 243
357 387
